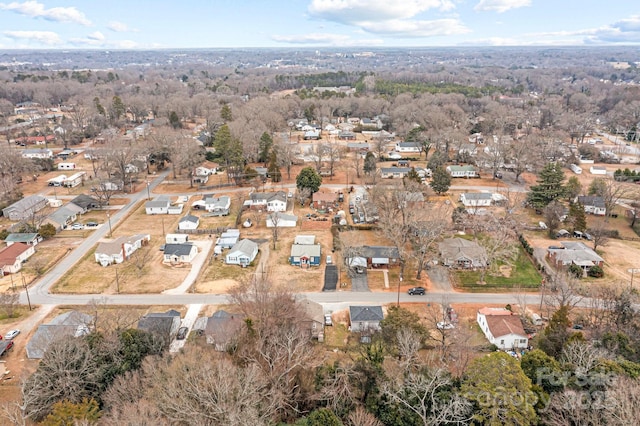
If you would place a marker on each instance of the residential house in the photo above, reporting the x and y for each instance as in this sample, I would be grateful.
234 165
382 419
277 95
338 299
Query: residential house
163 325
593 204
25 208
200 180
304 239
408 147
176 238
502 328
188 223
30 238
158 206
207 168
365 319
462 171
305 255
85 202
63 217
461 253
324 200
350 136
281 220
394 172
314 318
120 249
228 239
468 148
574 253
476 199
598 170
223 329
38 153
13 256
269 201
69 324
243 253
179 253
373 257
217 206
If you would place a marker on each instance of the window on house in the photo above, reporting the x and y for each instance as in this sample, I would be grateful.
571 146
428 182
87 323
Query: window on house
502 342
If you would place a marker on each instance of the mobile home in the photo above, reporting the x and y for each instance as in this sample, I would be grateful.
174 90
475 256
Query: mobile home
66 166
576 169
74 180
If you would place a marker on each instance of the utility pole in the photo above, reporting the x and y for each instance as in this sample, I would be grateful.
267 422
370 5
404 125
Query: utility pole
26 290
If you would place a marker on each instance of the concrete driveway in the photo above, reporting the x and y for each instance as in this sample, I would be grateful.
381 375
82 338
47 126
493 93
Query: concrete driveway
439 277
359 282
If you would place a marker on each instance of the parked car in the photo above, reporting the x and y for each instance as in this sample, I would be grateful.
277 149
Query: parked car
416 291
445 325
77 226
182 333
329 259
327 320
91 224
11 334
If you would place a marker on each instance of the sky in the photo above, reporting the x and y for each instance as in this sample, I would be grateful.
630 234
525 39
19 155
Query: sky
143 24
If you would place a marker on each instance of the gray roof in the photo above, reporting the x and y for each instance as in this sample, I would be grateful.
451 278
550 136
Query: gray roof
72 323
245 246
190 218
115 246
72 318
365 313
309 250
21 237
591 200
219 202
85 201
409 144
269 196
477 196
395 170
157 204
575 252
455 248
62 215
304 239
378 251
26 203
178 249
279 216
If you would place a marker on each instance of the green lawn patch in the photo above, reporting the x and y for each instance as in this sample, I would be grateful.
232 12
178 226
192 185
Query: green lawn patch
523 274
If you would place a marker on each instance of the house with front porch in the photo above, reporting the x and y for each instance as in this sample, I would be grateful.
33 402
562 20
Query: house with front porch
462 171
461 253
13 256
502 328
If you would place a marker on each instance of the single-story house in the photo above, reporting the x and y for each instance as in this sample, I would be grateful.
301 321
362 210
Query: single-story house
180 253
461 253
593 204
305 255
598 170
189 222
502 328
323 200
207 168
85 202
30 238
281 220
217 206
40 153
314 318
72 323
408 147
373 257
365 318
574 253
120 249
394 172
304 239
25 208
243 253
476 199
228 239
157 206
350 136
175 208
176 238
462 171
223 329
63 217
13 256
270 201
163 325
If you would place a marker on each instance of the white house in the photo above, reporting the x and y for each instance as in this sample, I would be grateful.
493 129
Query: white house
217 206
228 239
408 147
598 170
179 253
74 180
394 172
176 238
462 171
189 222
502 328
13 256
593 204
243 253
120 249
66 166
476 199
206 169
270 201
281 220
25 208
37 153
157 206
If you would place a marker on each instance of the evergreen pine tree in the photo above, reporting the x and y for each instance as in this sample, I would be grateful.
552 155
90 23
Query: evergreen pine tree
550 186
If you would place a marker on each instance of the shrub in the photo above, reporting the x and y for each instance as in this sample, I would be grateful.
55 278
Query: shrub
595 272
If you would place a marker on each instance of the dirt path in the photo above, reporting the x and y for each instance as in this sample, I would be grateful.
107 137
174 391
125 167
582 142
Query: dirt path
439 277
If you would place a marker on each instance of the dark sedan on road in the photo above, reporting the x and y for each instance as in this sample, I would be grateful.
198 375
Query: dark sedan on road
416 291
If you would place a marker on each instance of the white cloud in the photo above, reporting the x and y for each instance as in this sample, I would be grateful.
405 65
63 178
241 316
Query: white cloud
96 36
38 10
118 27
501 6
414 28
44 37
353 11
322 39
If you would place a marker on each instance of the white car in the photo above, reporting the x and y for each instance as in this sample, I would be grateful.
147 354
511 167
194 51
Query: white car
394 155
11 334
445 325
77 226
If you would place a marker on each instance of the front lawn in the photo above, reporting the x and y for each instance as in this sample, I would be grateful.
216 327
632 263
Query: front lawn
523 274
